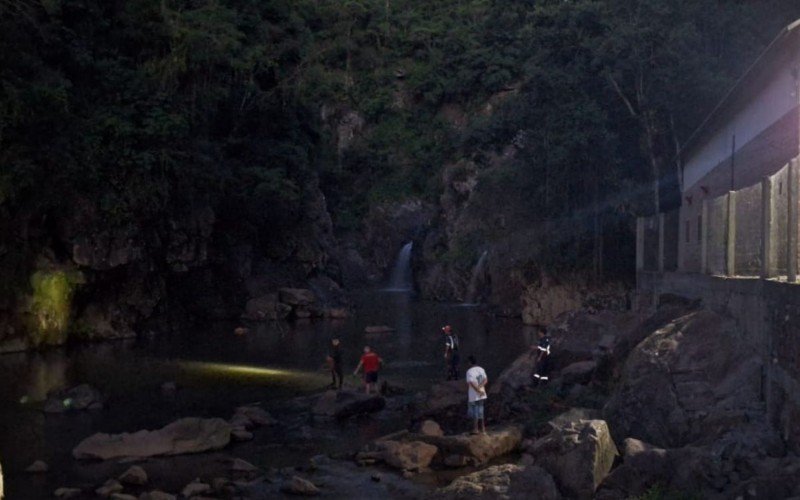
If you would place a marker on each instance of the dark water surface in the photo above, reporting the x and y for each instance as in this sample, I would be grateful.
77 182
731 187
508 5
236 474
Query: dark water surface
216 371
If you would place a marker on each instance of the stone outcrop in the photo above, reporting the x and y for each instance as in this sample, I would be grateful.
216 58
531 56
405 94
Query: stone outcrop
502 482
344 404
578 455
135 475
187 435
296 485
411 455
476 448
81 397
687 383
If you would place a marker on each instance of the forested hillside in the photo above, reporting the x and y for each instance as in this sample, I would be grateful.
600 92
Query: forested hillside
184 155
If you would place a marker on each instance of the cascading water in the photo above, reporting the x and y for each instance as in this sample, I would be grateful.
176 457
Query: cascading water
477 274
401 275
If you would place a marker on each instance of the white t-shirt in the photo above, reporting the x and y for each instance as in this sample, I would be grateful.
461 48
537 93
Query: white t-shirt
476 375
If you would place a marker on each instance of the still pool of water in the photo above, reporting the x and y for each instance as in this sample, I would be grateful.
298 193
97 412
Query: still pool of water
216 371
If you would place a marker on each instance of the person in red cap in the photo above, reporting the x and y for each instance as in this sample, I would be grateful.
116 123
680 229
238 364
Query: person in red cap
451 356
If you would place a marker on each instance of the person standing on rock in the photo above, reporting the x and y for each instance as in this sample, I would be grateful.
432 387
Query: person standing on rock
371 362
335 363
476 395
542 352
451 356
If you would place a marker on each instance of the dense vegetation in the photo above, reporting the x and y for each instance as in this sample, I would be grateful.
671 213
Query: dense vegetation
146 108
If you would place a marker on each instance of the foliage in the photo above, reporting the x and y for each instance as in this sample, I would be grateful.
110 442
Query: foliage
144 109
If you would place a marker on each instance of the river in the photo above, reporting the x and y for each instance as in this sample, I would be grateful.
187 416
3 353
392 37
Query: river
215 371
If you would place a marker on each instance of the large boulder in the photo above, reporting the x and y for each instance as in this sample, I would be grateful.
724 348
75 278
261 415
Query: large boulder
476 448
187 435
444 397
266 307
578 455
296 485
296 296
344 404
413 455
81 397
502 482
688 382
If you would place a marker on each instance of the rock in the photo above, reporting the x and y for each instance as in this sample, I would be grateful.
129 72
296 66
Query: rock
318 461
578 455
299 486
502 482
430 428
266 308
239 465
157 495
412 456
378 329
337 313
444 397
296 296
239 434
17 344
186 435
688 382
256 415
240 421
122 496
81 397
109 488
241 330
542 304
519 374
195 488
169 388
479 447
343 404
38 467
456 461
66 492
579 372
135 475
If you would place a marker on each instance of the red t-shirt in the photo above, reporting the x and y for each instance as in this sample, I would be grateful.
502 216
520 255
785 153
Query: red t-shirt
370 362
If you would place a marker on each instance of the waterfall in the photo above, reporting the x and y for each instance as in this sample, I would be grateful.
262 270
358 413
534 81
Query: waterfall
401 276
477 274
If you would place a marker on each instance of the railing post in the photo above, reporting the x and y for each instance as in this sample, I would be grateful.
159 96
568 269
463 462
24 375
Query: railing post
767 216
730 248
639 244
661 242
791 251
704 238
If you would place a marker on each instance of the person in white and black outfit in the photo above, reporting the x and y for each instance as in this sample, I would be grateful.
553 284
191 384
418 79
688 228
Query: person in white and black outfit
542 352
451 355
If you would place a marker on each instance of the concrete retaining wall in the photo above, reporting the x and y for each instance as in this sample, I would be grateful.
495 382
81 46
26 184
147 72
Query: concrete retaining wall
767 314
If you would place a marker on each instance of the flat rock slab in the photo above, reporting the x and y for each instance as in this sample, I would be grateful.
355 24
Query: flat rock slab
502 481
481 448
187 435
378 329
344 404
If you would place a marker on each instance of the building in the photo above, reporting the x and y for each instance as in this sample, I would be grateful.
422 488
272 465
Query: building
733 243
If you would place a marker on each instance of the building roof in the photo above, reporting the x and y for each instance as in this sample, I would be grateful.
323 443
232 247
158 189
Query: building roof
782 47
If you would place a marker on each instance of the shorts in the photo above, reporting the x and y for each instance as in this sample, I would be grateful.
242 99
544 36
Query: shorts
475 409
371 377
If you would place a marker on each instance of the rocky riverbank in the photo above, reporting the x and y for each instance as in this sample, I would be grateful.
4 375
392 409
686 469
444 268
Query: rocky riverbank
657 404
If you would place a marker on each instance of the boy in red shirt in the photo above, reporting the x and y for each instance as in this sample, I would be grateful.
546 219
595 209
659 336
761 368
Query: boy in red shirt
371 362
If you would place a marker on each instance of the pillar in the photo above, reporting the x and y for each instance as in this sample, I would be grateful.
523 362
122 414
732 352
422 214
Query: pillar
704 238
767 216
791 253
639 244
661 242
730 247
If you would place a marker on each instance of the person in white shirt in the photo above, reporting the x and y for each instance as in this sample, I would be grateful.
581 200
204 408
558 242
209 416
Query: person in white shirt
476 392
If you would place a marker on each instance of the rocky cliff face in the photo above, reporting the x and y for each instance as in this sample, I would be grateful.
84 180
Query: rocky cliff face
94 279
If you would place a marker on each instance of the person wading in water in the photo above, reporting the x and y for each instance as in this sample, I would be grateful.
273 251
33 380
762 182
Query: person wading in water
371 363
335 364
451 355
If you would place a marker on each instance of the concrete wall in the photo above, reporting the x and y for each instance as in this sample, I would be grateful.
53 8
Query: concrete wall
767 314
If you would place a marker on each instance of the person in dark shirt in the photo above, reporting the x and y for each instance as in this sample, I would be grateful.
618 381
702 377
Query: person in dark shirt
335 363
542 352
451 354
